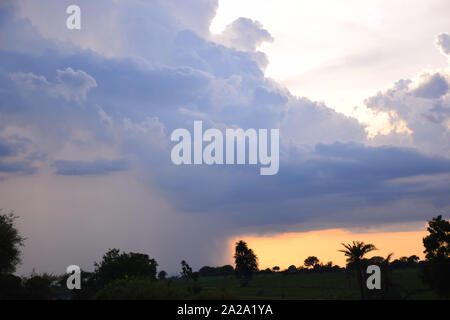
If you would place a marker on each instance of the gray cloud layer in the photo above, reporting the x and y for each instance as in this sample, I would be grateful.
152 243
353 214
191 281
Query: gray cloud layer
80 168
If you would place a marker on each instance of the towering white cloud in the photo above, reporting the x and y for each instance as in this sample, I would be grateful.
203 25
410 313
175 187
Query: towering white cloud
244 34
422 106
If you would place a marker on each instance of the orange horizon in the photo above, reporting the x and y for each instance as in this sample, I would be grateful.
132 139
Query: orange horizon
293 248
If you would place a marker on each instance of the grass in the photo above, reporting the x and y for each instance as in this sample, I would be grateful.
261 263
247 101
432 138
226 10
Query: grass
327 285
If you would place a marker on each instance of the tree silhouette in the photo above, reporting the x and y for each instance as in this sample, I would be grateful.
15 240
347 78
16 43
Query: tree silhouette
436 270
38 286
186 270
162 275
207 271
412 260
355 260
246 262
405 262
292 269
311 261
437 243
116 265
10 243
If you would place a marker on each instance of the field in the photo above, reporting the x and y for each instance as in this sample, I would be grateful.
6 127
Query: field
326 285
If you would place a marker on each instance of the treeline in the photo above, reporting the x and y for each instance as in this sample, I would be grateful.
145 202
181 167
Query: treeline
130 275
223 271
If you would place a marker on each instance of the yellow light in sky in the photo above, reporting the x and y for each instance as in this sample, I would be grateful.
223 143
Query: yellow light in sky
288 249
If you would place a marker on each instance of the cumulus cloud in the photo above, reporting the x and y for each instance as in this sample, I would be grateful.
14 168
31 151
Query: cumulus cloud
244 34
431 87
108 25
74 84
422 107
418 110
69 84
443 43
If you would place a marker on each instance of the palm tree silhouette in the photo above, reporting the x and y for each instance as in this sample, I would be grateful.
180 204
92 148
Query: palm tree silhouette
355 260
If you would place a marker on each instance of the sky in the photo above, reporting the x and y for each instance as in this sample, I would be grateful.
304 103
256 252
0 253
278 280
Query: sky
325 245
359 92
351 39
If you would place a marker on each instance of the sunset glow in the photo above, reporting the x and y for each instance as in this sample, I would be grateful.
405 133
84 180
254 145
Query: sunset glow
288 249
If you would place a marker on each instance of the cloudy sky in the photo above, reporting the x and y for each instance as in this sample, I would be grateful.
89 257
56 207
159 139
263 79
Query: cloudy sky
360 93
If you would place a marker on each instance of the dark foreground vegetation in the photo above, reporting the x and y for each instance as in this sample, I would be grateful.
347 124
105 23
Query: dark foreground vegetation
122 275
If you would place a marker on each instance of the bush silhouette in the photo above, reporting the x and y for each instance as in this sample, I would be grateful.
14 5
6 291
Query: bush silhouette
116 265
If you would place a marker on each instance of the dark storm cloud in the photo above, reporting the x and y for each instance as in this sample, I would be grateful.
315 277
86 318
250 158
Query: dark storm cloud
17 167
82 168
340 171
8 149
